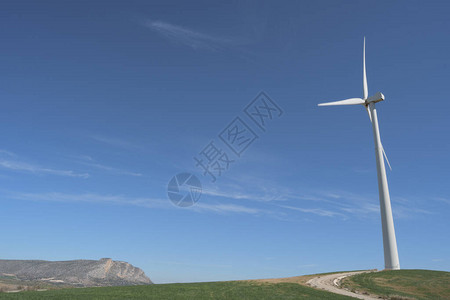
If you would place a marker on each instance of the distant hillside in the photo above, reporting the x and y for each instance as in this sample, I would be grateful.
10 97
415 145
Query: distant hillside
103 272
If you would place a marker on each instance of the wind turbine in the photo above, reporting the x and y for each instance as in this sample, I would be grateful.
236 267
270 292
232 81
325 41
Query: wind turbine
391 261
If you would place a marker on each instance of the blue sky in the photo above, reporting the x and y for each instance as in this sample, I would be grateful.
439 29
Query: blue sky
103 102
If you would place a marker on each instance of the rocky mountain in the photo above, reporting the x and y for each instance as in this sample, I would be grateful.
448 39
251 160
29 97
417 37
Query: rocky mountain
103 272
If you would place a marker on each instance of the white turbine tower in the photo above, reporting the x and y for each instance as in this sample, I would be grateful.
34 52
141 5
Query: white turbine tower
391 261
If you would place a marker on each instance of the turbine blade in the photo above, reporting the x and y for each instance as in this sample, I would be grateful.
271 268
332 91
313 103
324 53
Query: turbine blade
351 101
368 112
385 156
365 89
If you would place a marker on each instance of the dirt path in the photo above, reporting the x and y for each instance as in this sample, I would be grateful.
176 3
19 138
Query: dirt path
331 283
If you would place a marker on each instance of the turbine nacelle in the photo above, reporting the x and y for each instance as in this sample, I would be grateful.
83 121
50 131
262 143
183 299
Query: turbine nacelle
375 98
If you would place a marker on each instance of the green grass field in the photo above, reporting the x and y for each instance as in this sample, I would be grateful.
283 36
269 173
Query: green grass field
414 284
196 291
402 284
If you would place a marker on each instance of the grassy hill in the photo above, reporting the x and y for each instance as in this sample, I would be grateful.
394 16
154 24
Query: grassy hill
245 290
402 284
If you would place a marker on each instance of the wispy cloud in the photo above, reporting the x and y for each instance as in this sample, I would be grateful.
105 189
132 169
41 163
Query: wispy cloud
317 211
407 211
319 202
7 153
91 198
112 169
137 201
363 208
441 199
89 161
31 168
241 195
227 208
188 37
268 194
